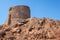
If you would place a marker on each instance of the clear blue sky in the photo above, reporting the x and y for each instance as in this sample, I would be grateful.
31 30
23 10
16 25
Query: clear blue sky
39 8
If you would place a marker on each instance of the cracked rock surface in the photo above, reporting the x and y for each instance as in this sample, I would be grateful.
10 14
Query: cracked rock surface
32 29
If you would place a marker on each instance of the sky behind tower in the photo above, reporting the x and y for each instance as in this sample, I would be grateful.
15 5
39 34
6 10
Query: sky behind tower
39 8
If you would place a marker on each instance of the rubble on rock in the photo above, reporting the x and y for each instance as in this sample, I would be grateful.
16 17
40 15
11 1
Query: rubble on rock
32 29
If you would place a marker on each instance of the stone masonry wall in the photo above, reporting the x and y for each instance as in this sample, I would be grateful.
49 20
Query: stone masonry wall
17 13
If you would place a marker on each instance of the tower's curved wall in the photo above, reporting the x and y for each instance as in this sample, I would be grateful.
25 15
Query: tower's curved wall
18 12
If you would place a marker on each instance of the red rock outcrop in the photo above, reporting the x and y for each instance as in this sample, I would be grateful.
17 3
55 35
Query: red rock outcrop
19 26
32 29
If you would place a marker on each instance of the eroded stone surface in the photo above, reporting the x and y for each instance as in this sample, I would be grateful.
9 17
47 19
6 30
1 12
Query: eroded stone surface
19 26
17 14
32 29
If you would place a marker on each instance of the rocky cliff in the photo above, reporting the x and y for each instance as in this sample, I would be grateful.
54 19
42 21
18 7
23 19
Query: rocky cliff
19 26
32 29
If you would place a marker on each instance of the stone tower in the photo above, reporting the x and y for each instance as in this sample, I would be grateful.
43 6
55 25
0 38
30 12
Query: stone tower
17 13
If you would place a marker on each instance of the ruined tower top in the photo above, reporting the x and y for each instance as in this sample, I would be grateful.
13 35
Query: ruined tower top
17 13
